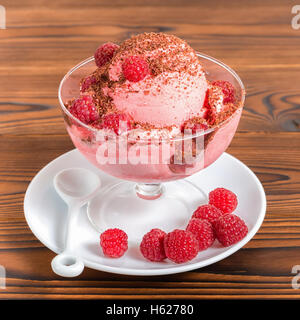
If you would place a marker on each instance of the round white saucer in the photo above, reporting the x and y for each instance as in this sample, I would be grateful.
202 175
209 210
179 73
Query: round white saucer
45 213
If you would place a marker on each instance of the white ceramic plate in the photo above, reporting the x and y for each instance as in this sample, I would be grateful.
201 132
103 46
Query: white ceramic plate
45 213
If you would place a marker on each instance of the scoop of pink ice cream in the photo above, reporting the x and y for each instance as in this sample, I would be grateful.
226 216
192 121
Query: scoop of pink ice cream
172 92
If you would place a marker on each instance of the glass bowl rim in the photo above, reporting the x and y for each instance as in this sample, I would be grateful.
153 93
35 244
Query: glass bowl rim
176 138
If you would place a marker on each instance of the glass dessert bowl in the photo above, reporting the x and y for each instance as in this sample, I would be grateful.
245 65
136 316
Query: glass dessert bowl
152 166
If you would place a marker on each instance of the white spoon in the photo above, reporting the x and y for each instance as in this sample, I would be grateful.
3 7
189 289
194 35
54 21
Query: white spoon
76 186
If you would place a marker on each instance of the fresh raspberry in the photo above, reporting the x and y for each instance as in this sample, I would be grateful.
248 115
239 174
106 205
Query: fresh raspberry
114 242
228 90
203 231
84 109
135 68
207 212
118 122
104 53
230 229
223 199
87 83
181 246
152 245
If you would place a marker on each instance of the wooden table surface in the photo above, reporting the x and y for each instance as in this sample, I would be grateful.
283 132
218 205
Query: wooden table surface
44 39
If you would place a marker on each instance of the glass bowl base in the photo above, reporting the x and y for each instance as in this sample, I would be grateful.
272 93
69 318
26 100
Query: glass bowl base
119 206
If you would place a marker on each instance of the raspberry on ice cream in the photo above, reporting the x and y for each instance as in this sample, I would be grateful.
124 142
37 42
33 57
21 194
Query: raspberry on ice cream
227 89
87 83
135 68
218 102
118 122
114 242
84 109
104 53
152 245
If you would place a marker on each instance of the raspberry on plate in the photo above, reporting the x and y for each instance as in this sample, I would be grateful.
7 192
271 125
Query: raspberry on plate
230 229
84 109
152 245
181 246
114 242
203 231
135 68
104 53
223 199
118 122
228 90
207 212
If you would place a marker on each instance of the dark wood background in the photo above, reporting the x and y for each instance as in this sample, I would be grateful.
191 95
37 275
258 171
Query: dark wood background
45 38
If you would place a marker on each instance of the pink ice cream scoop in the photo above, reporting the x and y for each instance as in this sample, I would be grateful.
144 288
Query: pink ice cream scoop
172 91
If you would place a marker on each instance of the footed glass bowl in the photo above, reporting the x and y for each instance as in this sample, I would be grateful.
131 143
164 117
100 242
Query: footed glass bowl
144 163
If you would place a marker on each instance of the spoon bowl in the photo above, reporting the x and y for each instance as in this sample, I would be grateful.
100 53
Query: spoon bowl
76 184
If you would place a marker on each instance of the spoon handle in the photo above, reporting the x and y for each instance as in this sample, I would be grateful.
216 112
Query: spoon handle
73 212
67 263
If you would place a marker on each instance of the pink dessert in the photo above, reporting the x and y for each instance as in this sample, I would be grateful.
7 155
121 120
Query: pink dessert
149 112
